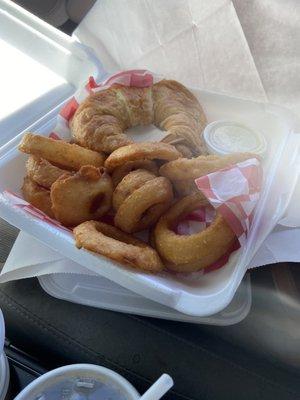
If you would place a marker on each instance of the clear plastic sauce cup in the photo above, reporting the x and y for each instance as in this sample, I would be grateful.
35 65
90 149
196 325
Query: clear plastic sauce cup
224 137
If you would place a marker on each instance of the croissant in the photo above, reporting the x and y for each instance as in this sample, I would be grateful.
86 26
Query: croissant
101 120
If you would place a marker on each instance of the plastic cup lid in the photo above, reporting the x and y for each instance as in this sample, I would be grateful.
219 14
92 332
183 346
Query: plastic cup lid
224 137
80 382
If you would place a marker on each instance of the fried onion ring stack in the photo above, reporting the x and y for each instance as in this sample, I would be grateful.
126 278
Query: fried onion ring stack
70 197
140 199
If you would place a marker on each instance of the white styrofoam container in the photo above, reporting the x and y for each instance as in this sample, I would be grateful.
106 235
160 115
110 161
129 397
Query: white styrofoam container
77 284
200 296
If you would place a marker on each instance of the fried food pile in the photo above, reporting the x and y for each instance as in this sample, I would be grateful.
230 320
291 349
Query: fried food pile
145 186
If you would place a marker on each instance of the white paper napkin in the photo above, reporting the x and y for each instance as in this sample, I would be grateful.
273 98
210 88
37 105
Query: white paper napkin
272 31
40 260
249 49
198 42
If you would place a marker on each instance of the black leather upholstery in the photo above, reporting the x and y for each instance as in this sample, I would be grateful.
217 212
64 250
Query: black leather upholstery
205 362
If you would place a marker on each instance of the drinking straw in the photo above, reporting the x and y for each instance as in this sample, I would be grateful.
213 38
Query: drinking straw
159 388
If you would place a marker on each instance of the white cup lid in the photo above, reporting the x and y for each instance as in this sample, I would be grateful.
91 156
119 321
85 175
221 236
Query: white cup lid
79 382
224 137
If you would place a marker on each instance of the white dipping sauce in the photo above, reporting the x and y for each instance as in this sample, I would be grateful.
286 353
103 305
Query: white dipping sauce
224 137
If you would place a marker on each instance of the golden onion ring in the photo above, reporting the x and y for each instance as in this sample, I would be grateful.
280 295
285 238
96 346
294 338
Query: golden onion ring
119 172
192 169
110 242
42 172
189 253
141 151
134 180
59 152
142 208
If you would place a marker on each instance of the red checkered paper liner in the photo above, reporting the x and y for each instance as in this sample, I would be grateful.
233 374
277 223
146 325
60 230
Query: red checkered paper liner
196 221
234 192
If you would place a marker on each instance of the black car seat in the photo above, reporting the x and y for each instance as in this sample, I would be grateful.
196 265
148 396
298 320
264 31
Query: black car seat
259 358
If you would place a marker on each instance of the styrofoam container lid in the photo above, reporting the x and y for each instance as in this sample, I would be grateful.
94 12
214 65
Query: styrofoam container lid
100 292
80 381
224 137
